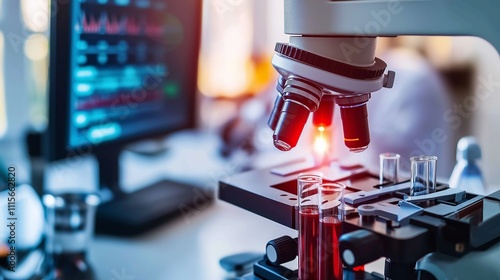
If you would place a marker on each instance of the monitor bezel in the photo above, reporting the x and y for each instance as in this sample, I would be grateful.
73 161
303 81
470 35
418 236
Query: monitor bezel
57 146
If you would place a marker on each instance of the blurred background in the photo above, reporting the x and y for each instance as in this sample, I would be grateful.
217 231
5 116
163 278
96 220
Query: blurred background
446 88
236 80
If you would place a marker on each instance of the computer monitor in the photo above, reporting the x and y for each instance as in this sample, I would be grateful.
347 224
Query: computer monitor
120 71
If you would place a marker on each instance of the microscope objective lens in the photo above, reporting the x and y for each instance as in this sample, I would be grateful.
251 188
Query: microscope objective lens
292 120
355 126
282 146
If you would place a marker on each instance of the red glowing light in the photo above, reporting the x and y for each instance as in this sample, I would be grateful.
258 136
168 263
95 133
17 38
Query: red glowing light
320 144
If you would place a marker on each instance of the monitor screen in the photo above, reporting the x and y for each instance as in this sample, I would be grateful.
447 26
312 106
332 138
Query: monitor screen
125 70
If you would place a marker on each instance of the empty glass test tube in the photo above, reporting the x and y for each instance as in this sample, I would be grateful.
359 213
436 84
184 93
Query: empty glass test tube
389 168
423 175
70 228
308 226
331 215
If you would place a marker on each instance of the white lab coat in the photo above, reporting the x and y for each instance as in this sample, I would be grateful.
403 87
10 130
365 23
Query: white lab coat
407 119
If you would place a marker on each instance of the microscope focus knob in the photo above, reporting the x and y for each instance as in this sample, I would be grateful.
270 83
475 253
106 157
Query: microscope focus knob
359 248
281 250
405 271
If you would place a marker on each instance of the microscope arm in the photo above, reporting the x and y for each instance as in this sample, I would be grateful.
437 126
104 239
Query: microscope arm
394 17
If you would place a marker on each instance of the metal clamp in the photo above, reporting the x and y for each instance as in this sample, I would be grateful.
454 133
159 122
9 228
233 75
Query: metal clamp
454 195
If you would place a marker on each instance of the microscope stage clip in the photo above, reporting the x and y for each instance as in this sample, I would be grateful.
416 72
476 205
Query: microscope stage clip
453 195
389 211
365 196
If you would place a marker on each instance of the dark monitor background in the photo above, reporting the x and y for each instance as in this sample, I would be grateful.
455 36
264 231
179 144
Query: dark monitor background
120 71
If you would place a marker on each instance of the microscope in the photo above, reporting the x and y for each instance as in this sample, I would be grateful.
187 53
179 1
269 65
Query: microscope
330 59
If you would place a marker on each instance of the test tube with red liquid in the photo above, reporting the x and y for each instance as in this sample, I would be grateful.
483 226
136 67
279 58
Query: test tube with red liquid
308 226
331 215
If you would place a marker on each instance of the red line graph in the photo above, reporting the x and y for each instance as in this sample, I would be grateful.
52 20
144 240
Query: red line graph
123 25
112 25
133 27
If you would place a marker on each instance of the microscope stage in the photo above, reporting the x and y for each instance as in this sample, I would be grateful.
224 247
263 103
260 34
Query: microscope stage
272 192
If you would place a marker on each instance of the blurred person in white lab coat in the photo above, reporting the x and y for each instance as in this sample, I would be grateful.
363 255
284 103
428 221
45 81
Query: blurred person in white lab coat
407 119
